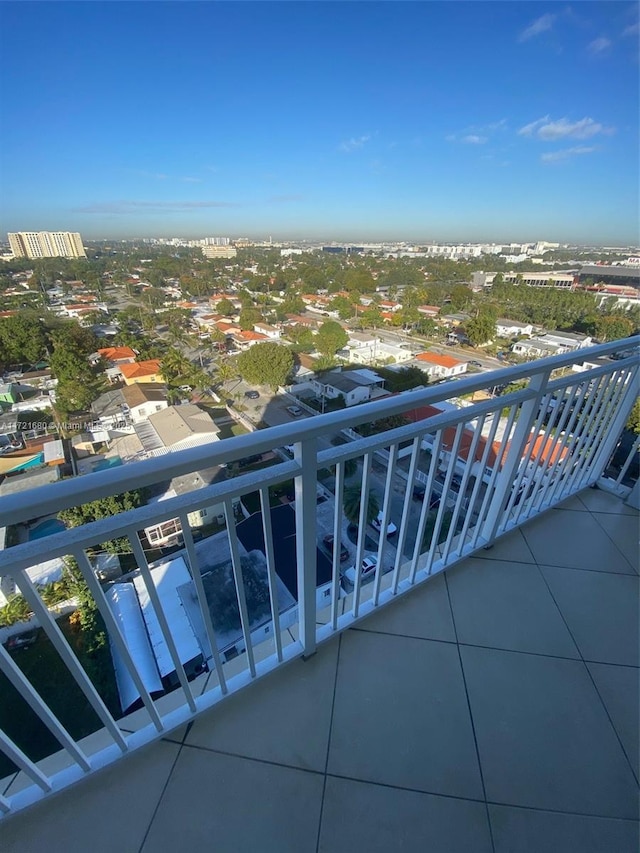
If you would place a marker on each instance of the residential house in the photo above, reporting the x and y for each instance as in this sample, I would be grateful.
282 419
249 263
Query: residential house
268 331
243 340
144 399
552 343
114 357
175 428
441 366
430 311
363 348
142 371
513 329
353 386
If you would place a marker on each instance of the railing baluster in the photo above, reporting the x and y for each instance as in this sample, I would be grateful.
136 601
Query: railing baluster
152 592
479 481
35 702
337 544
404 521
504 483
477 432
238 578
603 400
23 762
115 635
426 504
623 471
567 454
386 512
362 530
306 546
60 644
194 567
493 479
267 531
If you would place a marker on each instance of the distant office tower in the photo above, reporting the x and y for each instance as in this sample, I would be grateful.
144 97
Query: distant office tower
47 244
219 251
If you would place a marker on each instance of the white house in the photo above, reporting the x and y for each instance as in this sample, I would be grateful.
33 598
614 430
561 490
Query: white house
513 329
354 386
441 366
553 343
270 332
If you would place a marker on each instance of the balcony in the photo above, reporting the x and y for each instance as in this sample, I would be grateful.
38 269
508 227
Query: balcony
482 694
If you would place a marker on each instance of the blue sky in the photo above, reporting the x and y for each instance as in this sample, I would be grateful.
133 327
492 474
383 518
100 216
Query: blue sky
336 120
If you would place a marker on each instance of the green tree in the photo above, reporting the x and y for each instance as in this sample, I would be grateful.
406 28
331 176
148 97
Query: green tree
351 500
481 329
105 508
226 308
249 317
613 328
175 366
633 423
372 318
343 306
22 338
330 338
265 364
461 297
302 338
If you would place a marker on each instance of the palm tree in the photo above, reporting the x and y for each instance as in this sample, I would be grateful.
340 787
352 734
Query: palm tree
351 505
174 366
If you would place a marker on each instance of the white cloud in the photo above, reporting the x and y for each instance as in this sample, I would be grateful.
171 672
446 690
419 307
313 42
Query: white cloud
540 25
474 139
599 45
354 143
190 180
631 30
549 131
566 153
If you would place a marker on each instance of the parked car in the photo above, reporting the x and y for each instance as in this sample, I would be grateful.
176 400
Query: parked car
296 411
419 492
251 395
475 364
377 524
367 570
327 541
21 641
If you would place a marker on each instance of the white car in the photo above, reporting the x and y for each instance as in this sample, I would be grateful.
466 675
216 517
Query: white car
368 569
377 524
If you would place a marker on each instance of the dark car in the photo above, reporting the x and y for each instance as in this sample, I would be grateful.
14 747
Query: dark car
475 364
251 395
328 544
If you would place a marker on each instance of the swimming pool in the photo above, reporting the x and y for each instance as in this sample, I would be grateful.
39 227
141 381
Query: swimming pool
106 463
46 528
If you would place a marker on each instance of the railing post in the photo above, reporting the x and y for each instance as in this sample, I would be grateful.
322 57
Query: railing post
506 477
306 549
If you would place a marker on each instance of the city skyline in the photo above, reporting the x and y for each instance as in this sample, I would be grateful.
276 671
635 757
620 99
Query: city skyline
469 122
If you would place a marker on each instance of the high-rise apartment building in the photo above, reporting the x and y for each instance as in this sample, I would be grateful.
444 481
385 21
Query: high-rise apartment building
219 251
47 244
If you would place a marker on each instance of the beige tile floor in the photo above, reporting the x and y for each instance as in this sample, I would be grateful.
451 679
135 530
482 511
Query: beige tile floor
494 709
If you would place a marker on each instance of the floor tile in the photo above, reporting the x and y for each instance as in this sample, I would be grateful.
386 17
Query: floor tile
422 613
574 502
376 819
573 540
618 687
624 531
110 811
401 716
601 611
228 804
512 547
532 831
598 500
507 606
544 738
285 717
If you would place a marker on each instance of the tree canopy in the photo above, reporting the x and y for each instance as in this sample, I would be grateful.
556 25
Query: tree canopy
265 364
330 338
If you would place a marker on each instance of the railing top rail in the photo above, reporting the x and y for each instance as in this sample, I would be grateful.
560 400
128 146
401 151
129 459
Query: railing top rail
67 493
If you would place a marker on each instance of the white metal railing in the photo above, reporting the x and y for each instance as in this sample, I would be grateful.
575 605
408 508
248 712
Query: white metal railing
557 436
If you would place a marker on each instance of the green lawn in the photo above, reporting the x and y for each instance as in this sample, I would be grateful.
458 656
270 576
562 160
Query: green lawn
46 672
